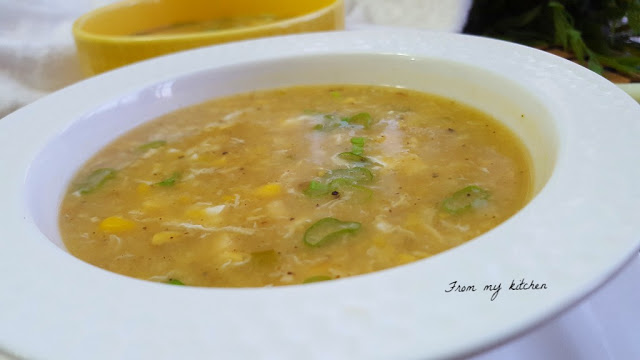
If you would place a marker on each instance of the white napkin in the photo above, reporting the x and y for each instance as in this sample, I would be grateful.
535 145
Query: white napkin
37 52
438 15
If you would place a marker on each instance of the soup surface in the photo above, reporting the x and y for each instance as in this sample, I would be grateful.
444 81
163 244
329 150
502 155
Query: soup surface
224 23
294 185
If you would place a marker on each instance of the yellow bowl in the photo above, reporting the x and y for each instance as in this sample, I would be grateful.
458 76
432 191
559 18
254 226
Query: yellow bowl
106 38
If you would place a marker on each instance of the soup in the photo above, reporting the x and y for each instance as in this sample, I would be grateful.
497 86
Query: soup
224 23
294 185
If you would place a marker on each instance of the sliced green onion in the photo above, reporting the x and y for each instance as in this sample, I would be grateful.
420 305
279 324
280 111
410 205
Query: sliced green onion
357 145
337 178
328 228
95 180
316 188
351 156
330 122
175 282
358 141
462 200
363 119
152 145
316 278
170 181
345 187
356 175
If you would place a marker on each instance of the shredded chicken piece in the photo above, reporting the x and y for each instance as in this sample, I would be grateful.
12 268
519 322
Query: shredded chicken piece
235 229
455 226
149 153
232 115
124 256
293 227
388 228
116 239
331 203
300 118
158 278
235 263
403 200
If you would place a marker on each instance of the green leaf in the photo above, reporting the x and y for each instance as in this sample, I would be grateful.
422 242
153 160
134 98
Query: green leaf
520 20
633 16
594 65
562 24
576 45
617 65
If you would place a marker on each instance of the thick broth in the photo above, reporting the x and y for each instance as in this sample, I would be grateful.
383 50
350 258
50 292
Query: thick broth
226 193
224 23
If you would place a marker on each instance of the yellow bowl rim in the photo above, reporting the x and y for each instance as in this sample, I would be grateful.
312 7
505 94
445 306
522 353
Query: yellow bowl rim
79 33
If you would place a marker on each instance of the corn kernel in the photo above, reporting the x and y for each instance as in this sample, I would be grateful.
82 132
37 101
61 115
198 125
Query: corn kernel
379 241
115 224
206 157
219 162
152 205
164 237
322 268
229 199
185 199
234 256
414 220
195 213
406 258
143 188
269 190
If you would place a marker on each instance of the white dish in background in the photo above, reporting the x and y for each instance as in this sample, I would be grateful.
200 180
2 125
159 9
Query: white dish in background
579 229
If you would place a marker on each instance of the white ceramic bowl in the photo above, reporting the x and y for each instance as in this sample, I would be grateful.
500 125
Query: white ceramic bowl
581 226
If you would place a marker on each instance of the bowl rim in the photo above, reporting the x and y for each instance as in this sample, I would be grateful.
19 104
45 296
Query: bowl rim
81 34
574 93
